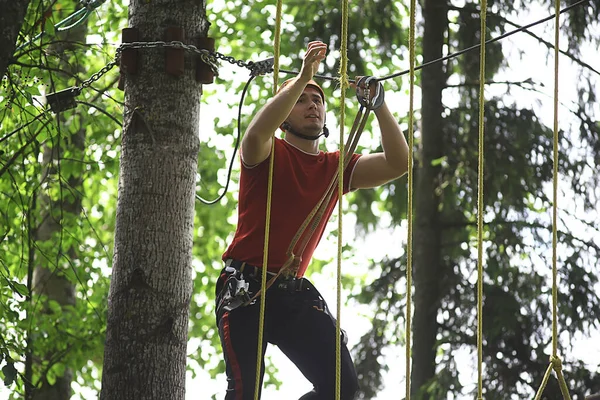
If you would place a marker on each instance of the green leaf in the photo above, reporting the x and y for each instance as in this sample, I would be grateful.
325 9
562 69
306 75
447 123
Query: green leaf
10 373
28 96
49 28
19 288
439 161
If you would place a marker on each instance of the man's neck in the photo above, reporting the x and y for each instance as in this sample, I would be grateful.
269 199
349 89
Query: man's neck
308 146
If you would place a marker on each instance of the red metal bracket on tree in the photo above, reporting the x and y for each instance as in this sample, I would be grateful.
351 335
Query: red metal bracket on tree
129 57
174 57
204 73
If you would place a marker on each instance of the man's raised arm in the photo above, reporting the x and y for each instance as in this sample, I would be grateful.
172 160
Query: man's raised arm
256 144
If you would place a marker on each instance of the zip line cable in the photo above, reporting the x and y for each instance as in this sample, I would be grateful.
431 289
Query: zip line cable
460 52
496 39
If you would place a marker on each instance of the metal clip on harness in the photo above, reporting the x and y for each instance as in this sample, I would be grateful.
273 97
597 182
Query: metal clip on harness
235 292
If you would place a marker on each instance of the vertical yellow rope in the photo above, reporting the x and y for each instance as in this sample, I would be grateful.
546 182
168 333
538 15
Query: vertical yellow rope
409 214
343 86
263 298
480 204
555 184
555 362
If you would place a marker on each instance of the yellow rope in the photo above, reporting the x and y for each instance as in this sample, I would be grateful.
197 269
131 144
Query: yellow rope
263 298
555 187
409 216
555 362
343 86
480 205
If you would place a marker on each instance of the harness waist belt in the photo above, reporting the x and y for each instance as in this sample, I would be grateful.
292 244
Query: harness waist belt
282 283
242 266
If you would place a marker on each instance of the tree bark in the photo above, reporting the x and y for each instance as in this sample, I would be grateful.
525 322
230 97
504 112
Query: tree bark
427 231
151 284
11 20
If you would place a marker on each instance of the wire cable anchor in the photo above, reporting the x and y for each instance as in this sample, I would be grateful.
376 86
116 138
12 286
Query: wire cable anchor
261 67
64 99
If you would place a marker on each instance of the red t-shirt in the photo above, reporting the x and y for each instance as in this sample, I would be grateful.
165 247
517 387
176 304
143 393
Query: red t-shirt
299 181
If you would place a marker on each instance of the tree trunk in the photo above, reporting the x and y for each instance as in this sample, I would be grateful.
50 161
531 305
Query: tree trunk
11 20
427 231
49 281
151 284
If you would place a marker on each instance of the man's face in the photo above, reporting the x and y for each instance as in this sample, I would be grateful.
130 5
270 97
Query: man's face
308 114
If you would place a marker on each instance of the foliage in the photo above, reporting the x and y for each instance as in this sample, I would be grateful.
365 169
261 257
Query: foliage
33 183
518 170
517 232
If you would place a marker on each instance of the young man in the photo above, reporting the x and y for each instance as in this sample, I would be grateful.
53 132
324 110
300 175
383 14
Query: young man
297 319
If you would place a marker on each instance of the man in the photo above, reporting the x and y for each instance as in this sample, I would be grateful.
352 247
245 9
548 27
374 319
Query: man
297 319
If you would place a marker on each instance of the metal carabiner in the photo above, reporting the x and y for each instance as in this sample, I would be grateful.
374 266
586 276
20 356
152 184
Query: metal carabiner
364 95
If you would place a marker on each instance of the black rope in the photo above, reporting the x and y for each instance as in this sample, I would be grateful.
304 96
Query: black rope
237 145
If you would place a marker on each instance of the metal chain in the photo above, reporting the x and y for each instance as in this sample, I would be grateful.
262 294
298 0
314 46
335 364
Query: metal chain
208 57
88 82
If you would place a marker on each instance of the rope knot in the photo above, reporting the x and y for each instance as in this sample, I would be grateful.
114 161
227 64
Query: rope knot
556 363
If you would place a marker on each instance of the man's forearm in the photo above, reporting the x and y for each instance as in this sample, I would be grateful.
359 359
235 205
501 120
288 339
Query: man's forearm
393 141
272 115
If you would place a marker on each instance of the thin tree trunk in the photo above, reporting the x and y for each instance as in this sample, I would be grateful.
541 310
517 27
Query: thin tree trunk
151 285
427 231
49 281
11 20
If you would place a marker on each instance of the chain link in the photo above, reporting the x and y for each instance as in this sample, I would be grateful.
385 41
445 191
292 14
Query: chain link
208 57
88 82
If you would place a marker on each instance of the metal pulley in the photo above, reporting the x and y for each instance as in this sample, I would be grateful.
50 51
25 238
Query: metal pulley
369 92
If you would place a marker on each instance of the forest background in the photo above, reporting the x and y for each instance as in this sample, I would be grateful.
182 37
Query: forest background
59 179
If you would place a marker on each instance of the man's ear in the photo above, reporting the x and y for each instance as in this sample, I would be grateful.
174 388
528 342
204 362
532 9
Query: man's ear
285 126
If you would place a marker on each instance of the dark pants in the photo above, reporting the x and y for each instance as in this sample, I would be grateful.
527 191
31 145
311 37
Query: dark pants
298 322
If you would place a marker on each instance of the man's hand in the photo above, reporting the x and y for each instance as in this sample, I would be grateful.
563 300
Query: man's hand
315 53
